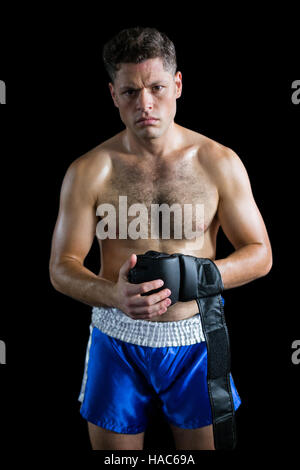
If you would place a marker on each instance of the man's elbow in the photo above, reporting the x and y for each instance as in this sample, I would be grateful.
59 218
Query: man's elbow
266 261
56 276
267 268
53 277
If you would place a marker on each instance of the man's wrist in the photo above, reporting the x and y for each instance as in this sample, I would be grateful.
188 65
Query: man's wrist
111 298
220 265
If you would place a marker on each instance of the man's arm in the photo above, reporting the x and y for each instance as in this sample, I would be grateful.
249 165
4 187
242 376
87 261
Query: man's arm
73 237
242 224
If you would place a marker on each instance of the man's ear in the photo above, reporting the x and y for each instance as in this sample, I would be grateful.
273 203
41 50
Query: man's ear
178 84
112 92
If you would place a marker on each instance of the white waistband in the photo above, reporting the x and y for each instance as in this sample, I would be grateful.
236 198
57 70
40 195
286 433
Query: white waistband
117 324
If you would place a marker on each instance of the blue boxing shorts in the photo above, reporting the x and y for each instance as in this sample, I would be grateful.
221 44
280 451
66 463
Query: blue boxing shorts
133 366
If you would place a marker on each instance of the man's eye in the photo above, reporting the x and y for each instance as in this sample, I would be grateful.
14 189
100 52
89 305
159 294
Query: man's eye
158 88
129 92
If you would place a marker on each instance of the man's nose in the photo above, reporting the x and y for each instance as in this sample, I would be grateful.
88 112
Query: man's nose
145 100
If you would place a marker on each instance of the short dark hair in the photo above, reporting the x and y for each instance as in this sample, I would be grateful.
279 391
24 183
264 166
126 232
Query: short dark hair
135 45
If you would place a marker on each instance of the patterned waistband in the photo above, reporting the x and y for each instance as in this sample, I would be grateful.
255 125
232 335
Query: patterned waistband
117 324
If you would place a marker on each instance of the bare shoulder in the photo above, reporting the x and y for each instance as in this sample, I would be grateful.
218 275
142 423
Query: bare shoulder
220 162
92 161
94 167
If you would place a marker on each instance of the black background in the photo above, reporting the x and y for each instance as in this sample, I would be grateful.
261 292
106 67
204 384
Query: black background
58 108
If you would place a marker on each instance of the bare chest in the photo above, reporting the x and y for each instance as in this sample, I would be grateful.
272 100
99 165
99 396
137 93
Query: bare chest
178 186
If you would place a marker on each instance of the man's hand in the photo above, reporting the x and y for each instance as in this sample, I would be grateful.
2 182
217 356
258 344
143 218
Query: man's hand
128 296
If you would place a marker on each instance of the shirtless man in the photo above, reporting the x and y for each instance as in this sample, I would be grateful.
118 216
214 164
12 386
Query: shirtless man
152 161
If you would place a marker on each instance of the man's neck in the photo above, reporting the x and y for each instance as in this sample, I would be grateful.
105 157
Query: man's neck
159 147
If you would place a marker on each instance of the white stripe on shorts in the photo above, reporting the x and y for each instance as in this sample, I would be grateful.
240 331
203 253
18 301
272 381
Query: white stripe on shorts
86 362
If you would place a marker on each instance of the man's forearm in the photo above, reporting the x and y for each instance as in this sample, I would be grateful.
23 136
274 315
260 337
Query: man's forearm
244 265
76 281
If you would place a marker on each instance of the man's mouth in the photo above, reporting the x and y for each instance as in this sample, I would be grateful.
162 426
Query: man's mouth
147 121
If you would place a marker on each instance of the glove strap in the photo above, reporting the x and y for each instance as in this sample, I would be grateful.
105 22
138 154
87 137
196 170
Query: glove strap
218 371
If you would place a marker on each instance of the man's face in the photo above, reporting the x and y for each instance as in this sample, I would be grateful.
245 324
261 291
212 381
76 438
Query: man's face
146 90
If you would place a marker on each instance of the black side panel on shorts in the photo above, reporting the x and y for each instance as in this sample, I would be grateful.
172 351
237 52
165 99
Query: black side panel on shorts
218 371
